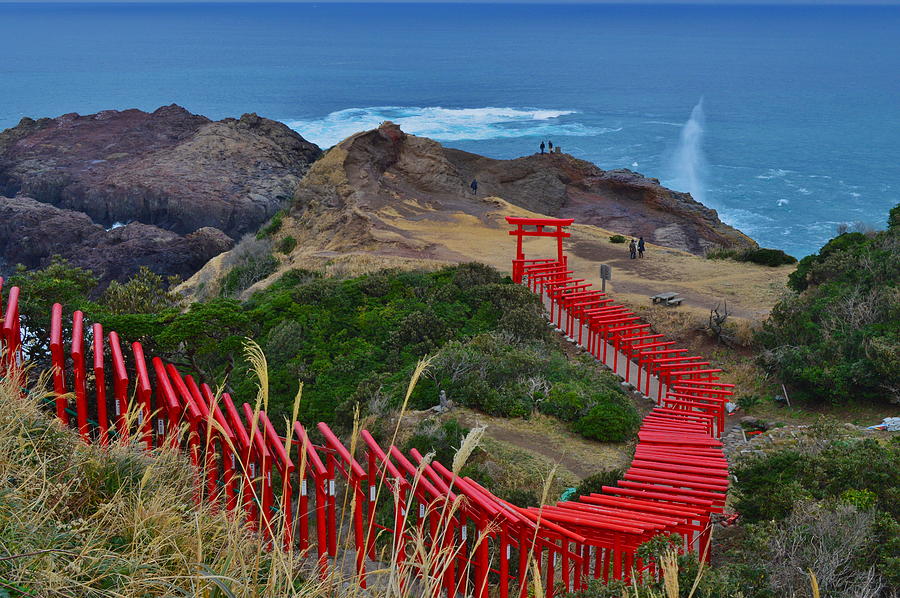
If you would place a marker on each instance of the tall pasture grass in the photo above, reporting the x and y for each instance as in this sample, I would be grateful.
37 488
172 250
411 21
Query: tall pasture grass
121 521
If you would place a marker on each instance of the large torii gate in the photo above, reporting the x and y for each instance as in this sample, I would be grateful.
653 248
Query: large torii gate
540 225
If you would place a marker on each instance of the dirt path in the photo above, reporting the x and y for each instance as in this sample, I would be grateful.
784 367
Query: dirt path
550 439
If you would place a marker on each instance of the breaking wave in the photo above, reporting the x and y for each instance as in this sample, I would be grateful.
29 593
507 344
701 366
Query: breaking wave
446 124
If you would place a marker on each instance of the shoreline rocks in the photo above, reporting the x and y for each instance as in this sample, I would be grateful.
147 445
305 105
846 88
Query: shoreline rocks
163 171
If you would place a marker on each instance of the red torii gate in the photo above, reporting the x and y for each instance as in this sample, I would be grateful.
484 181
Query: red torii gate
540 224
676 481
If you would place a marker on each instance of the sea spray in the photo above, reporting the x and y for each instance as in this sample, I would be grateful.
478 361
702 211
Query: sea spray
448 124
688 164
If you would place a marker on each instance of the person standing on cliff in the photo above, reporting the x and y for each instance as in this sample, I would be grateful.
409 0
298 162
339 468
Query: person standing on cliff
640 247
542 146
474 186
632 249
549 147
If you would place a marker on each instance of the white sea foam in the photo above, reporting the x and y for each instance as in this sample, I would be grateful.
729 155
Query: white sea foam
446 124
804 191
773 173
116 225
782 202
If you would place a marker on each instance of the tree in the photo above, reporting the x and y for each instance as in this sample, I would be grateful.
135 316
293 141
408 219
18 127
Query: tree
58 282
144 293
207 335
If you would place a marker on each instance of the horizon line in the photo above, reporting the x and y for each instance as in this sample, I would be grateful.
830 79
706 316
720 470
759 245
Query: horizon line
712 3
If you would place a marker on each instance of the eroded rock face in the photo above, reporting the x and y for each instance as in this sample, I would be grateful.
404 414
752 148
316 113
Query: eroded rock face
31 232
170 168
382 168
169 174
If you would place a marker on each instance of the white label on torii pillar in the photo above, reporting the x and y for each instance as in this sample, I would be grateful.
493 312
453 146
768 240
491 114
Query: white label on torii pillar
331 487
233 462
118 408
253 470
303 488
421 510
372 493
508 552
465 533
161 426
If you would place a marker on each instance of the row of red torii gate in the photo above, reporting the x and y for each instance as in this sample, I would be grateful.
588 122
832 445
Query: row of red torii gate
289 488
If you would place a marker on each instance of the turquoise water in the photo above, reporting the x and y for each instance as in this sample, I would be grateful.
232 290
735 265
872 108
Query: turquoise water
799 128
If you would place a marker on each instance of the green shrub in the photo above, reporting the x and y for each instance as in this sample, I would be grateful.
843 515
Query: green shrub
770 485
839 338
273 226
618 239
246 274
608 422
721 253
761 256
768 257
522 498
594 484
443 439
567 401
286 245
798 280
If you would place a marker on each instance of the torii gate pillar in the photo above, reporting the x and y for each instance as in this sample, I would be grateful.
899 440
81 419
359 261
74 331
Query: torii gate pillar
543 227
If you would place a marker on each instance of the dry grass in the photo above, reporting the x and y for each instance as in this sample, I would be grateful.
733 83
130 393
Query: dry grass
79 520
417 234
82 520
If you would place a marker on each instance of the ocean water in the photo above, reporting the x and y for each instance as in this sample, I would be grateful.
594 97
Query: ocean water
798 129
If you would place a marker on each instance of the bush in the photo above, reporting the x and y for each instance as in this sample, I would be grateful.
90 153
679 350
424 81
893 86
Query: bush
250 261
839 338
442 439
566 401
721 253
768 257
522 498
286 245
761 256
608 422
272 227
594 484
501 376
618 239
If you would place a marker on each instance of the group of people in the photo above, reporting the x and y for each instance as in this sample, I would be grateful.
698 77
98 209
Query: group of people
548 147
636 248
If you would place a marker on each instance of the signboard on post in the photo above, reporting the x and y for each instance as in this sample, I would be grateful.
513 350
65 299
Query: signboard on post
605 274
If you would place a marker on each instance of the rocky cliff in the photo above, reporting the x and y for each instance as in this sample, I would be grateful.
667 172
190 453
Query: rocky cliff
377 173
385 199
174 177
31 232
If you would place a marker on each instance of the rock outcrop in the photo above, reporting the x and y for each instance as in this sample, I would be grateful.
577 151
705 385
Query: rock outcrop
182 179
380 169
385 199
31 232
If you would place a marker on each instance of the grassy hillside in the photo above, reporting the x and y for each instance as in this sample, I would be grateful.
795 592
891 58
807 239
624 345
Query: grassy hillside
836 336
78 520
